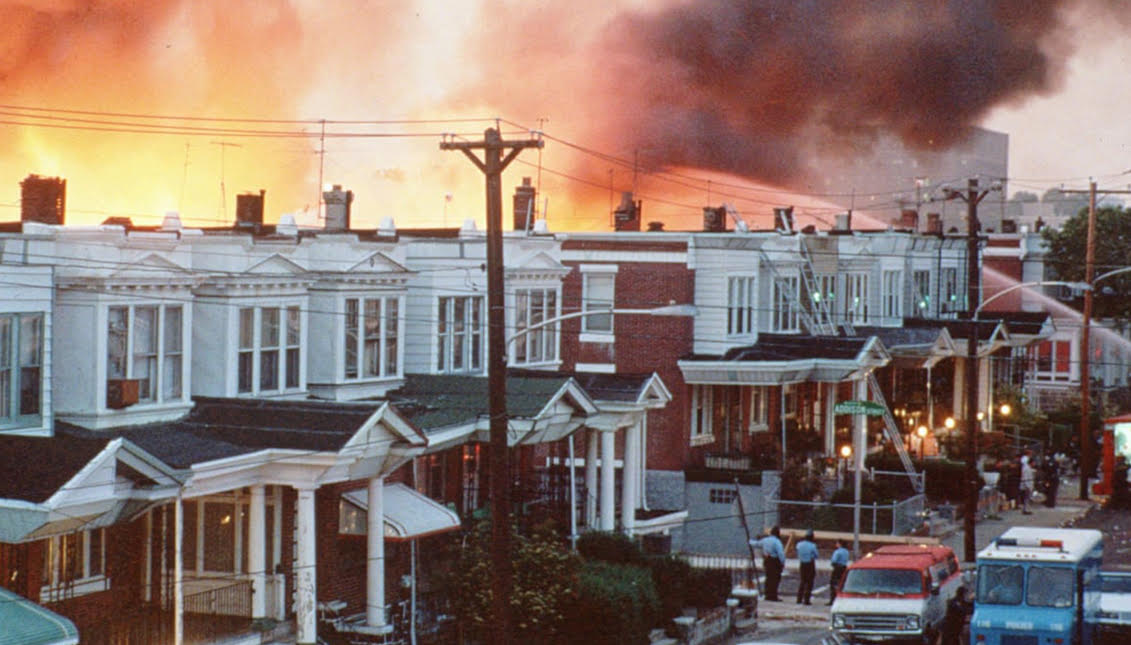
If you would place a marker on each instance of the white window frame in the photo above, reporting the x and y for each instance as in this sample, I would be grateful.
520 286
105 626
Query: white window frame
597 328
165 356
785 315
386 311
921 292
759 408
472 340
826 284
856 306
950 298
240 503
13 367
742 302
92 575
288 340
1053 374
893 295
539 346
702 414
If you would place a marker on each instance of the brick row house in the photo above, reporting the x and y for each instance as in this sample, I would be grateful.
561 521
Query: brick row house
211 430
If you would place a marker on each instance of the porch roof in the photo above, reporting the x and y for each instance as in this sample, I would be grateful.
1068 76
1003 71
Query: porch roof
913 346
26 623
408 514
776 359
990 334
1024 327
36 467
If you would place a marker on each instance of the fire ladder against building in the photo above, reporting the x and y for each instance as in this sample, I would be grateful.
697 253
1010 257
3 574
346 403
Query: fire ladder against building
817 317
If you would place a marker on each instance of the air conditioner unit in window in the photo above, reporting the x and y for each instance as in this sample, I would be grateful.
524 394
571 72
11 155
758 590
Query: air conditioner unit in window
121 392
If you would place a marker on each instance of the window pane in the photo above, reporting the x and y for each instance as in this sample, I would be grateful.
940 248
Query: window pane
189 535
294 326
247 328
1050 587
31 359
219 537
477 334
1000 584
144 367
459 330
245 371
269 370
292 367
372 338
392 330
171 377
269 328
442 334
352 313
116 339
172 330
598 295
96 552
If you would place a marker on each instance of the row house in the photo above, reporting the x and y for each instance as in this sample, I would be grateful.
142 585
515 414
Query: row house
786 325
211 426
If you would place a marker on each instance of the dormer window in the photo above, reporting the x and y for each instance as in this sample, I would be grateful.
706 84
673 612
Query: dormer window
269 352
460 338
372 336
21 368
144 351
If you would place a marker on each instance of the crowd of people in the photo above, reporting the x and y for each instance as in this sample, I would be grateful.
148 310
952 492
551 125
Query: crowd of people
773 562
1023 477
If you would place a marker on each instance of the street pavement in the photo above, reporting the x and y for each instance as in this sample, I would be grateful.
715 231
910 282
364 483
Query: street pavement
786 621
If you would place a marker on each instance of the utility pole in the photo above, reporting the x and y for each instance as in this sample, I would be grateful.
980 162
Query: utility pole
1086 458
492 166
972 198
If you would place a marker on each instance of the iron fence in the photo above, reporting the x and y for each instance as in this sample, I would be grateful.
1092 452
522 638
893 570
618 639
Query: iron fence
897 518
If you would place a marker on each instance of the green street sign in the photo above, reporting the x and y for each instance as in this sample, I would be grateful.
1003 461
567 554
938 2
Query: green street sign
868 408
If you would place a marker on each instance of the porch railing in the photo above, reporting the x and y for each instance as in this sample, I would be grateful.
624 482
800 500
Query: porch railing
229 600
897 518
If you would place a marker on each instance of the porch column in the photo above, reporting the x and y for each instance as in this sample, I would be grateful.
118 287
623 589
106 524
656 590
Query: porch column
178 571
306 590
958 394
830 419
608 481
629 478
591 479
375 555
257 550
859 447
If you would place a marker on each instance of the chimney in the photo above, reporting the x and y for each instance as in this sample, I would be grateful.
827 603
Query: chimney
43 199
627 216
715 219
338 203
1008 226
524 197
843 222
249 210
655 227
783 219
909 219
934 224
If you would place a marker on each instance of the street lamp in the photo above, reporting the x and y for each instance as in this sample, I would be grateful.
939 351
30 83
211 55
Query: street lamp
922 432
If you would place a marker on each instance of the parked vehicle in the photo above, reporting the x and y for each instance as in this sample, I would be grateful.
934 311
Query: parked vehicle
1113 624
1038 585
898 593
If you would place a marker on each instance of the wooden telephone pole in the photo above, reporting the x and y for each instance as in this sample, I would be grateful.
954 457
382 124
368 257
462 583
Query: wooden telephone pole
1086 458
492 166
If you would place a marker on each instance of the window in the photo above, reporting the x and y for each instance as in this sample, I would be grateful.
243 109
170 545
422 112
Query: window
1051 361
268 351
740 306
597 292
759 408
701 406
896 582
856 298
532 307
140 338
893 294
1050 587
922 292
950 301
373 355
459 325
21 367
1000 584
825 284
785 314
75 563
216 533
722 495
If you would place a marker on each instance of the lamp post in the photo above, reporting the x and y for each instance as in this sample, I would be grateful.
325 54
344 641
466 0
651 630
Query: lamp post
922 432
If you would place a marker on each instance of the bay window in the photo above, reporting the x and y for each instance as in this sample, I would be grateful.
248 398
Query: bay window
269 349
459 328
21 368
372 332
785 313
145 344
532 308
741 320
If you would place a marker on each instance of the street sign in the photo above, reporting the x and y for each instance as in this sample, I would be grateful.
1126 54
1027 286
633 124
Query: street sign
869 408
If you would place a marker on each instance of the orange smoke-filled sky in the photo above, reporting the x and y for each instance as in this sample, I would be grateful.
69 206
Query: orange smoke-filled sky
711 102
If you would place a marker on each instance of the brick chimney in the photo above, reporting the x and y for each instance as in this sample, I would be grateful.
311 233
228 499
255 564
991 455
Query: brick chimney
715 219
249 210
909 219
843 223
626 217
43 199
783 219
934 224
338 206
524 199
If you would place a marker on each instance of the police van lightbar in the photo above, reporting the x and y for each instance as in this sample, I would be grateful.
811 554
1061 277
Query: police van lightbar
1049 544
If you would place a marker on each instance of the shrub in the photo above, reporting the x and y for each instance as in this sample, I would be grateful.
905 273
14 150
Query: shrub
708 588
672 577
617 604
612 547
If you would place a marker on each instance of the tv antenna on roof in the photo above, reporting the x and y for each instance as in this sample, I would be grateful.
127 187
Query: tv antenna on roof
224 145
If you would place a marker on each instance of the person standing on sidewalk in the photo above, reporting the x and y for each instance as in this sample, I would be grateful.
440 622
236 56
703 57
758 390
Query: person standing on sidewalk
773 561
1028 474
839 560
807 556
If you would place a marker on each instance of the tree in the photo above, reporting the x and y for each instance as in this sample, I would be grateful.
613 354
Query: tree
1025 196
1066 257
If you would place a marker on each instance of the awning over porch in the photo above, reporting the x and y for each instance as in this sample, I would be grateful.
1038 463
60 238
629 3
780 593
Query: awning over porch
1025 327
777 359
914 347
408 514
22 622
